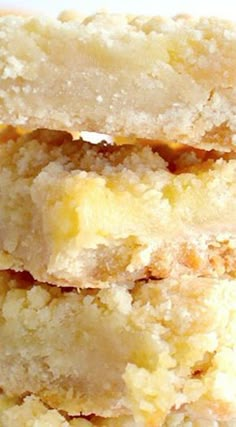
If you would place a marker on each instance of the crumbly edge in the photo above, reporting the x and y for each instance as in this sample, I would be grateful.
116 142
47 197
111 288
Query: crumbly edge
57 186
195 66
180 360
31 412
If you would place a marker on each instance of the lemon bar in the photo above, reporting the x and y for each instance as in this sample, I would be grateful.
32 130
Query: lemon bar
78 214
155 78
166 346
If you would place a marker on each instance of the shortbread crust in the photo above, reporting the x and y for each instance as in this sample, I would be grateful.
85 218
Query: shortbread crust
155 78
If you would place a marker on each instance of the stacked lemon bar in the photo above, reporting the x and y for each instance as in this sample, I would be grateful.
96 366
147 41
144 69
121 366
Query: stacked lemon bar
118 261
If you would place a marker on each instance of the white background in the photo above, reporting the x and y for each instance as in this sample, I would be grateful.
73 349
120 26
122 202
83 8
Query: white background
222 8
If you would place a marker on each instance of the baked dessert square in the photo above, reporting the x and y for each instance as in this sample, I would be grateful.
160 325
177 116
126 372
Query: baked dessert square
77 214
116 352
154 78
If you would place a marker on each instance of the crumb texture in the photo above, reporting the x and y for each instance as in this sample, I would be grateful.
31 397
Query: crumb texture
77 214
31 412
115 352
168 79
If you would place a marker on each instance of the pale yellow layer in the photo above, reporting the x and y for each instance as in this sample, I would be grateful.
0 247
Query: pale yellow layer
77 214
169 79
166 346
32 413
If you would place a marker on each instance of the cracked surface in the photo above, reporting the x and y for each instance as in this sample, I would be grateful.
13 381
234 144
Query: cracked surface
168 79
113 352
77 214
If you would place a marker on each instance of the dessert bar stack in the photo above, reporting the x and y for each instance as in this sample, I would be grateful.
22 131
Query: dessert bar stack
117 259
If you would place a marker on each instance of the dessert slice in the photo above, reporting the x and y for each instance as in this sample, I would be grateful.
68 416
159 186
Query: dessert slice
165 347
168 79
78 214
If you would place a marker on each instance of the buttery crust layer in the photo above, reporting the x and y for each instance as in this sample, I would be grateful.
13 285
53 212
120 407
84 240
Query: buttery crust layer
33 413
168 79
113 352
77 214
